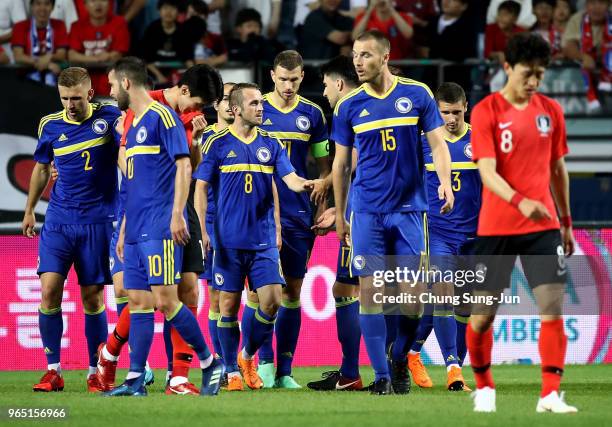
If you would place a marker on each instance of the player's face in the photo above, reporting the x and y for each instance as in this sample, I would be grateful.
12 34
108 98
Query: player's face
453 115
287 82
118 92
97 9
223 110
369 59
524 79
331 91
251 110
41 10
75 100
188 103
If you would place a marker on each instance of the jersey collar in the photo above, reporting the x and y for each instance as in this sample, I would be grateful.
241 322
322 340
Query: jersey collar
373 94
246 141
137 119
89 114
466 127
286 110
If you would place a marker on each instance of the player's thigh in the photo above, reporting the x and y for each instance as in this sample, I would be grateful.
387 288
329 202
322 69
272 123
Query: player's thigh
295 253
443 263
270 298
52 289
264 269
494 259
134 271
56 249
405 234
368 244
229 270
542 257
213 299
91 257
229 303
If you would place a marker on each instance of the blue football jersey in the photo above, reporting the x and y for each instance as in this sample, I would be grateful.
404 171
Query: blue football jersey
153 143
386 131
212 207
85 155
241 173
466 185
300 128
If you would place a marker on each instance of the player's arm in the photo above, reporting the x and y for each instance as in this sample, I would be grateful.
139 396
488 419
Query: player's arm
38 181
277 217
200 202
178 226
559 182
298 184
442 164
121 240
121 160
341 173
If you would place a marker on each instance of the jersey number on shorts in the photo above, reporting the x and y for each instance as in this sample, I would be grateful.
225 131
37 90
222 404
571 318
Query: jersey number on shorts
87 157
248 183
456 181
506 141
155 265
387 139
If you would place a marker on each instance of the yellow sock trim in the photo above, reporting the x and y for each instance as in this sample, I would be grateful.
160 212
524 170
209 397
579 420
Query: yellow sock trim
212 315
291 304
373 310
253 305
98 311
462 319
145 311
175 312
121 300
262 320
50 311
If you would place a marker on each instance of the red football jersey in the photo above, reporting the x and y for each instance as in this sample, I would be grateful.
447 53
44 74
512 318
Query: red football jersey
21 36
158 95
524 143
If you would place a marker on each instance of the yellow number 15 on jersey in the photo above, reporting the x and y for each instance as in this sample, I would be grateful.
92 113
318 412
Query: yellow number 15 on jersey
387 139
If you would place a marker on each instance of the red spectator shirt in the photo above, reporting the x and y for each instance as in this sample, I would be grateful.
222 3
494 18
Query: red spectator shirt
158 95
21 36
400 47
524 143
113 36
496 40
82 12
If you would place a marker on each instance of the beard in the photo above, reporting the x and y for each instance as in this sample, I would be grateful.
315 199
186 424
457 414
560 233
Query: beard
123 100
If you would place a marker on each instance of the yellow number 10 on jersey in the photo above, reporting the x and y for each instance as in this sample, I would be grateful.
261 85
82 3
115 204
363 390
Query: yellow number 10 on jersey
387 139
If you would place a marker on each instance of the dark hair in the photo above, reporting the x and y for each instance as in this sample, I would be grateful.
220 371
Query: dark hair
203 81
570 4
510 6
179 4
527 48
52 2
199 6
235 95
551 3
73 76
450 92
343 68
248 15
289 60
132 68
376 35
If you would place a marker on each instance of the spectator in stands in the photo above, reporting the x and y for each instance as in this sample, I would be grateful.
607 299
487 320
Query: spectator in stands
129 9
64 10
209 46
165 40
326 33
451 35
396 26
98 40
588 39
213 19
544 10
40 42
498 34
421 12
561 15
526 19
269 11
4 59
11 12
250 44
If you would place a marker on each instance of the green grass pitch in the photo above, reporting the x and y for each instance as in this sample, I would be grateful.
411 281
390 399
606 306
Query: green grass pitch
588 387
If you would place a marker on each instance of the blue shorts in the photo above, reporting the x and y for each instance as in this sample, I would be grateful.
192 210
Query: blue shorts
150 263
376 237
84 245
116 266
343 275
208 261
450 251
232 266
295 252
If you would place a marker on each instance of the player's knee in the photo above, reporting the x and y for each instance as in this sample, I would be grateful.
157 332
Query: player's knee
188 294
270 307
481 323
51 298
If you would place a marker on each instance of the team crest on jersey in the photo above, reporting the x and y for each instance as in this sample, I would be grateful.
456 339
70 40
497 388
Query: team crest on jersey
263 154
403 105
219 279
359 262
141 134
467 150
543 123
100 126
303 123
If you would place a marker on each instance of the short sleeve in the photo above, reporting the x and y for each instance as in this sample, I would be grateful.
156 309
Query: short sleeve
44 149
559 137
483 133
208 166
342 131
281 159
74 39
121 36
19 37
172 134
60 35
430 115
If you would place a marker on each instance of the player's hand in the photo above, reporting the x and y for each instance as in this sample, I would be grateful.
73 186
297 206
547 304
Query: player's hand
28 224
178 228
534 210
567 237
343 230
54 172
199 124
445 192
325 222
206 246
319 192
120 246
308 185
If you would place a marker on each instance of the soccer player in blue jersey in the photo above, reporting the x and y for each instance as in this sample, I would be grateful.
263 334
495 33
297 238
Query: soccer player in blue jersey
240 163
154 229
383 120
451 236
301 126
339 78
82 143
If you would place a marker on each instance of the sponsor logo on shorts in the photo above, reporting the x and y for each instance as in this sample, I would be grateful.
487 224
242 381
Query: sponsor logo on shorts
219 279
359 262
100 126
403 105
